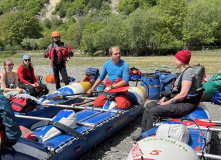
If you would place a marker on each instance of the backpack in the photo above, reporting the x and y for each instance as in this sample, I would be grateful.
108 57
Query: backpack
38 78
212 87
22 105
94 72
200 74
12 130
217 98
166 82
100 87
134 73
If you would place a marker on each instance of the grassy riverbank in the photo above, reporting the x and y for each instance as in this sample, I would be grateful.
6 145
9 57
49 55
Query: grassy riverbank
210 59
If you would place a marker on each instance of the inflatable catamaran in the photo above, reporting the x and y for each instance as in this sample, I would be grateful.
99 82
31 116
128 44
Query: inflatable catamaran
46 107
68 135
185 138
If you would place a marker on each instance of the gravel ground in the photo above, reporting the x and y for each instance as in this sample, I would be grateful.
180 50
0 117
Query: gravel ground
118 145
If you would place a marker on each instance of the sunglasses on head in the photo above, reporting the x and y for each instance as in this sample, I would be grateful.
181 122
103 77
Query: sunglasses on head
27 60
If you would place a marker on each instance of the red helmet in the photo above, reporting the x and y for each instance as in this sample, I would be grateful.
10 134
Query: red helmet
55 34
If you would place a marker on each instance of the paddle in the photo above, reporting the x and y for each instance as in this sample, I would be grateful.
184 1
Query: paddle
115 90
121 89
50 119
75 106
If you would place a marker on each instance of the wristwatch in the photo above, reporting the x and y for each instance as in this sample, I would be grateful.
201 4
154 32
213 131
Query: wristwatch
111 86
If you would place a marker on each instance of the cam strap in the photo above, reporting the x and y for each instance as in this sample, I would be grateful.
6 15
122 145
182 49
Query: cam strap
56 98
60 126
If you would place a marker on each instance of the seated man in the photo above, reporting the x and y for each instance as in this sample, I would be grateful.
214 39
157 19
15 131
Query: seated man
118 76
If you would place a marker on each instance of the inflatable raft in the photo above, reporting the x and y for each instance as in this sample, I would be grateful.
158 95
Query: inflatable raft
165 143
44 109
60 138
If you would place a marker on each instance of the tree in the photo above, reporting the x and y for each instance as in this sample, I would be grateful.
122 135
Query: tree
173 13
44 42
17 26
110 34
88 36
74 33
202 22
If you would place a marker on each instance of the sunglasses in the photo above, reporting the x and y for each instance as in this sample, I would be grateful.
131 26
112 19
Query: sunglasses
10 65
27 60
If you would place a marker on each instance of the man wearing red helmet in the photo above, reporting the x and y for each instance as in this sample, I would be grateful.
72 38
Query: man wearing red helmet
58 53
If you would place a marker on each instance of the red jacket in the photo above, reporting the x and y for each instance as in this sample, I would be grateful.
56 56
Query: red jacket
22 73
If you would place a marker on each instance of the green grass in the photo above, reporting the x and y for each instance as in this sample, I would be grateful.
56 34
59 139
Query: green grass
210 59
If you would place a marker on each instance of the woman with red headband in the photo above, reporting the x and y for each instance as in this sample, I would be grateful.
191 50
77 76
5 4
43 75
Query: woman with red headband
181 101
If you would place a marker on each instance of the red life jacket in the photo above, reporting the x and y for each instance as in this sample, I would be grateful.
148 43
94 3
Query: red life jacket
62 53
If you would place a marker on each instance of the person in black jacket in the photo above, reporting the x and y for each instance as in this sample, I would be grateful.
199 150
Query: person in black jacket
58 53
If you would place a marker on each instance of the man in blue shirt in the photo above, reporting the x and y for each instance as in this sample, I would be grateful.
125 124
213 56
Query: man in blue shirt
118 76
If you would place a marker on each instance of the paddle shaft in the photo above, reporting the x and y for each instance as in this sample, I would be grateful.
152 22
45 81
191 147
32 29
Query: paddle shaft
34 118
50 119
73 106
121 89
206 155
81 93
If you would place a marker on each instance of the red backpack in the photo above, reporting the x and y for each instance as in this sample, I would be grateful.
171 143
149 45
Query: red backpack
22 105
134 71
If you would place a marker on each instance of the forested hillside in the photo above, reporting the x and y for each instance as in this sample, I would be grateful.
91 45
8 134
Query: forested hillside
138 27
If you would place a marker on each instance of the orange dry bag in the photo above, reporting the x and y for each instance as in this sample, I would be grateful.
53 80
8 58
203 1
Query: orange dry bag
50 79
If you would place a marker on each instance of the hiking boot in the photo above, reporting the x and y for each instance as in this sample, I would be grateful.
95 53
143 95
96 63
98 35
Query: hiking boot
137 136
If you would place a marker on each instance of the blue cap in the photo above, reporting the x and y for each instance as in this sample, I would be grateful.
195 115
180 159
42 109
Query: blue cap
26 56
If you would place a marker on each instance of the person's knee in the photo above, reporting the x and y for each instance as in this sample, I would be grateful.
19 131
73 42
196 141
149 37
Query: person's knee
100 101
122 102
150 105
124 105
154 114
